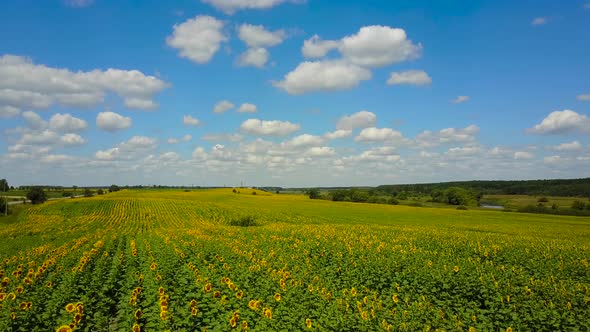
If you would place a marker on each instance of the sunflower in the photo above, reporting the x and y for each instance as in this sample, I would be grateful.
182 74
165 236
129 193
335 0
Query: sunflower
64 328
277 297
164 315
2 296
232 322
395 298
29 305
12 316
509 329
153 266
456 269
136 328
49 284
80 307
193 303
252 304
471 329
70 307
308 323
353 291
77 319
244 325
239 295
207 287
28 281
20 289
268 313
365 315
194 311
161 290
23 305
137 314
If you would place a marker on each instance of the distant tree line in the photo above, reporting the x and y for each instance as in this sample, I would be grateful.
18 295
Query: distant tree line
570 187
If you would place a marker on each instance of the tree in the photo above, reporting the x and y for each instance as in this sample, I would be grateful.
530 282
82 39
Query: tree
313 193
87 192
74 187
100 191
578 205
114 188
36 195
4 185
3 206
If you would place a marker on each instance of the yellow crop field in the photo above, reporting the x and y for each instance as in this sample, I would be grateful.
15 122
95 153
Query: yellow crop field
183 261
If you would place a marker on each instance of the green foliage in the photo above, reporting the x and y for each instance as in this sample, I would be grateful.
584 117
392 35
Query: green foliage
37 195
569 187
4 185
578 205
313 193
100 191
87 192
244 221
455 196
114 188
543 199
392 201
4 206
67 194
462 207
540 208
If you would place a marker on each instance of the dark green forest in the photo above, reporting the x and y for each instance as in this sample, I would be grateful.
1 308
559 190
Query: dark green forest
570 187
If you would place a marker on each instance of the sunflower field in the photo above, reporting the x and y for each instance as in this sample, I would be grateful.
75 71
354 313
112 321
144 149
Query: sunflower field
183 261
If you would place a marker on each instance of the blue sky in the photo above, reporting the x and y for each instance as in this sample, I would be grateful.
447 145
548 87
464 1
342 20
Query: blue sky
336 93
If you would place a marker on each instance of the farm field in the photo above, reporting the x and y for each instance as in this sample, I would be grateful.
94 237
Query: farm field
182 261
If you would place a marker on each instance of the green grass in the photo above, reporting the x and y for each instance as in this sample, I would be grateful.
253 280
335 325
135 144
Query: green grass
517 201
336 265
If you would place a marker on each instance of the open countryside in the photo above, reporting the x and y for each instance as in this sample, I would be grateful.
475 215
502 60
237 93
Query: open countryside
177 260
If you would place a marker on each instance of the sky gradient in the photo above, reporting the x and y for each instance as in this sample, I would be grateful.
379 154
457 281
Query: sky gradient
293 93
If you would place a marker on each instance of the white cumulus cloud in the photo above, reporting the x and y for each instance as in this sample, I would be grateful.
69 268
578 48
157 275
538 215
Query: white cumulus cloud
111 121
323 76
269 128
223 106
247 108
231 6
66 123
340 133
24 84
315 47
571 146
562 122
370 135
257 36
8 112
190 121
411 77
376 46
362 119
253 57
198 38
